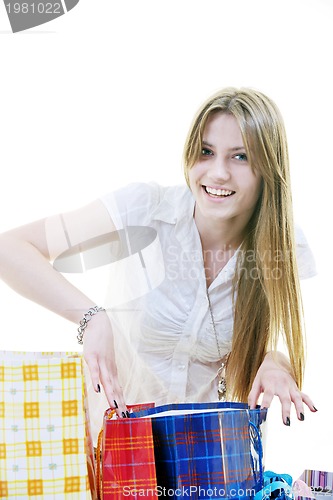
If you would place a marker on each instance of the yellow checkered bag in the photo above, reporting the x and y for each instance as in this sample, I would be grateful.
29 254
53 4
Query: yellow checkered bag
45 445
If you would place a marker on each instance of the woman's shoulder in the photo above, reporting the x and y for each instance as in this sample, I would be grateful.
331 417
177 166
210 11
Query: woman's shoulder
149 193
146 198
305 258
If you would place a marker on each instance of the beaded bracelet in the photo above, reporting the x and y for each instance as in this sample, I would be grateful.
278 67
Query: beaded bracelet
84 321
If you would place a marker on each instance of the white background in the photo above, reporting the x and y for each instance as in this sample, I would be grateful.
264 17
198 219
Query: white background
104 96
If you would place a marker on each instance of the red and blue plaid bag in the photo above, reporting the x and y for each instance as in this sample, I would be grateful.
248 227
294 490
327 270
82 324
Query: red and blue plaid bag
199 451
207 450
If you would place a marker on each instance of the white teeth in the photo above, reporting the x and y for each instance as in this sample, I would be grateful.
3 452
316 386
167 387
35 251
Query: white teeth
218 192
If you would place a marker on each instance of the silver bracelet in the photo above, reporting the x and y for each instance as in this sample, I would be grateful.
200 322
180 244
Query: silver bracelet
84 321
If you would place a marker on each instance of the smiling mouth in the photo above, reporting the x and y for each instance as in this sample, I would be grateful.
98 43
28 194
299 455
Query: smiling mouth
218 193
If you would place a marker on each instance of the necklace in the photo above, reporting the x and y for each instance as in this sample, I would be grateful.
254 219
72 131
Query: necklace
222 386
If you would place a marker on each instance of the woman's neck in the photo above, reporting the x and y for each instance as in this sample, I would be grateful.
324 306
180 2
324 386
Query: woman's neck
219 242
218 235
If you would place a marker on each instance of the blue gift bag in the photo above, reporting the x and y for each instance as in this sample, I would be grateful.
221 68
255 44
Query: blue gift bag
207 450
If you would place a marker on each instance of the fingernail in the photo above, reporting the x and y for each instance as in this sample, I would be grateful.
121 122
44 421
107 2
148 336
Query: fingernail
301 416
98 388
287 422
123 414
315 409
128 414
115 403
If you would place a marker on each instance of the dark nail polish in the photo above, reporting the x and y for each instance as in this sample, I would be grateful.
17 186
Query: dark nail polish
301 416
115 403
98 388
128 414
123 414
315 409
287 422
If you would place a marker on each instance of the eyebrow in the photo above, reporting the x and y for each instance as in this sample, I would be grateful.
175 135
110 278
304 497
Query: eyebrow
237 148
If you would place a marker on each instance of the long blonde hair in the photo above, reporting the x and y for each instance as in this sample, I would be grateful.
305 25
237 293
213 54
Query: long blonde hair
267 299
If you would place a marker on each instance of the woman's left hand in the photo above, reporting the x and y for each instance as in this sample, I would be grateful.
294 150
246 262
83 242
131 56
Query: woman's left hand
274 379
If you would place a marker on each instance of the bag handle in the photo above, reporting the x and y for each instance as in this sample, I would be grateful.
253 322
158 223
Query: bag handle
275 482
99 465
260 454
99 477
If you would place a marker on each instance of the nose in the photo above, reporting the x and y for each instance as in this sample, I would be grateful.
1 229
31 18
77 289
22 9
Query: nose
220 170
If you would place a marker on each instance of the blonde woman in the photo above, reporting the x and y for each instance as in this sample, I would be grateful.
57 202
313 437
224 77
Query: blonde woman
204 278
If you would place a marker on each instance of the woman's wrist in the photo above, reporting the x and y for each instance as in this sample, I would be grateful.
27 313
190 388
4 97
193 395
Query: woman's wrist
92 311
276 359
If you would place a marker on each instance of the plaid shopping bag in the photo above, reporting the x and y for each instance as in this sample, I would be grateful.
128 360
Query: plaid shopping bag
45 445
127 456
211 450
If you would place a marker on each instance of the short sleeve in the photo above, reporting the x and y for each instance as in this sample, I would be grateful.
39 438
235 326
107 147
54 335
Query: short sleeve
133 204
305 259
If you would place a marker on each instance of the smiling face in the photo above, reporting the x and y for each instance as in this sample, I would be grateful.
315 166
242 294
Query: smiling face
225 187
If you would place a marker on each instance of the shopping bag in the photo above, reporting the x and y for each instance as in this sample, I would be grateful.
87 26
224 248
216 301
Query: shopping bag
320 484
45 445
126 450
211 450
312 484
207 450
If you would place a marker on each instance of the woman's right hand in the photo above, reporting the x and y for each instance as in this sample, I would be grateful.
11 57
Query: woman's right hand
98 349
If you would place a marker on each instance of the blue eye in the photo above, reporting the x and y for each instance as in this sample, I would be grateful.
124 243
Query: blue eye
241 157
206 152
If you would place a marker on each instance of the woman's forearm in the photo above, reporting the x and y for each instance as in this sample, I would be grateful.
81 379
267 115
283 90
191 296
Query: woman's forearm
27 271
26 252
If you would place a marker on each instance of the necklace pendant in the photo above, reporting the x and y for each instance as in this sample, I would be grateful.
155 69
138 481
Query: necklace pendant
222 389
222 384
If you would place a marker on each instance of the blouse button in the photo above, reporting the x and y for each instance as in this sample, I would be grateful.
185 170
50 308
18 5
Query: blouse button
181 367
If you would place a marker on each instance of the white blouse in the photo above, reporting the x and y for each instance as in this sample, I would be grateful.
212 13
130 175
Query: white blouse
166 349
